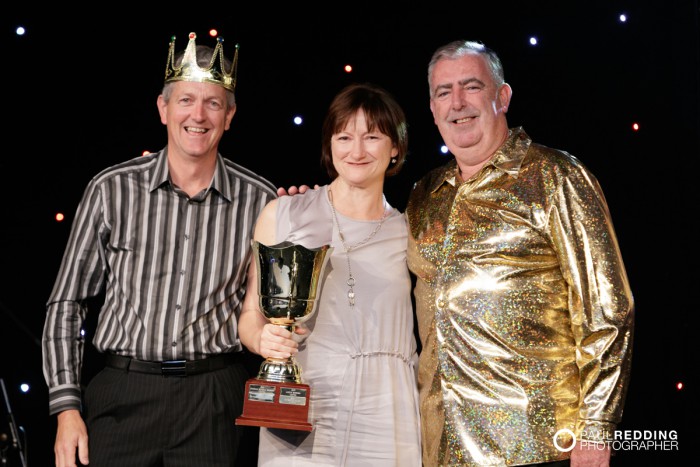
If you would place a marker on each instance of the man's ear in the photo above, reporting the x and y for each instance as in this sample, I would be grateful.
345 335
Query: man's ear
505 92
161 109
230 112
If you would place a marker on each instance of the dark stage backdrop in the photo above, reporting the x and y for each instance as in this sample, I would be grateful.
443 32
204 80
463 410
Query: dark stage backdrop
80 95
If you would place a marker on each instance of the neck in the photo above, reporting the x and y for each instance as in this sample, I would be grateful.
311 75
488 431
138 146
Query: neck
467 171
191 175
469 163
357 202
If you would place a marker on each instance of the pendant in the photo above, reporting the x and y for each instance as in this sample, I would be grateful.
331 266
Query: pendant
351 291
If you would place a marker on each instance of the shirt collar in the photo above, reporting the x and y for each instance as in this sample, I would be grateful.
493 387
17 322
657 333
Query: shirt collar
161 176
159 172
508 158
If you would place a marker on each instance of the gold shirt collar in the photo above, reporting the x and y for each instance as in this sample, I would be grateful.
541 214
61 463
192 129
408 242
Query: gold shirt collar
507 158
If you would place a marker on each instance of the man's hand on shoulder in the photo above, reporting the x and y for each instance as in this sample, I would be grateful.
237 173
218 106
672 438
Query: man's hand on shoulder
293 190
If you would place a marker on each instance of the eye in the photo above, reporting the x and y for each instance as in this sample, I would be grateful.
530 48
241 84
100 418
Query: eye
216 105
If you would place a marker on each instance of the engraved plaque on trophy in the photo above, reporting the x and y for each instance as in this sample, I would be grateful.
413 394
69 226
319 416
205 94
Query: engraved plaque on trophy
288 284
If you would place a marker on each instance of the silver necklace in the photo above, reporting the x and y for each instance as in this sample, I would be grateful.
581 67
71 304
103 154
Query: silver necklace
348 248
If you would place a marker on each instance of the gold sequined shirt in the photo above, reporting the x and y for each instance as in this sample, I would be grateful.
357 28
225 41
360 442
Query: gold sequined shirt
524 308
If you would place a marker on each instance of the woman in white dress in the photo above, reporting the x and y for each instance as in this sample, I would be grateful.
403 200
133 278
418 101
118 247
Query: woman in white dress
358 351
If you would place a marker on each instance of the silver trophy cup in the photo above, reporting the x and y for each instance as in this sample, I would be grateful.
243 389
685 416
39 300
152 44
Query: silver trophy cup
288 285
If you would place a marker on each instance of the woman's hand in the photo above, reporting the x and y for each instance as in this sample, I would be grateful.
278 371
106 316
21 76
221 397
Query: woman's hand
277 342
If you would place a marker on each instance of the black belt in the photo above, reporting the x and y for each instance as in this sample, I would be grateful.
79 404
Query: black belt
173 367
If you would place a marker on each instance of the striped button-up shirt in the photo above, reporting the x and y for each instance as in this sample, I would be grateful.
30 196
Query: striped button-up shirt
172 269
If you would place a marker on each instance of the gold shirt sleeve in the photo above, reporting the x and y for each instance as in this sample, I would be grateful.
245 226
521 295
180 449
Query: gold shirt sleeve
524 308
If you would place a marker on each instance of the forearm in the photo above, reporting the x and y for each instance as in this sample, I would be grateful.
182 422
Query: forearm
250 326
62 349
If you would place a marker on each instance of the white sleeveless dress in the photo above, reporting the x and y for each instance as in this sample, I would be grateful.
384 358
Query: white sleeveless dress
360 362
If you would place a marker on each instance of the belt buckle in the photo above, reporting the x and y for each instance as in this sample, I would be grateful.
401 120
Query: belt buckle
173 368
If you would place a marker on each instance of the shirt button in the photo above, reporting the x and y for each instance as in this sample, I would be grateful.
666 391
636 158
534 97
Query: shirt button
174 344
177 307
441 303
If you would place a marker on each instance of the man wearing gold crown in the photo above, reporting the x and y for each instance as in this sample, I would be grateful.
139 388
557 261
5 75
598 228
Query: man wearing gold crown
166 238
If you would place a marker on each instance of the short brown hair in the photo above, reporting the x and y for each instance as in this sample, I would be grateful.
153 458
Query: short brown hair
382 112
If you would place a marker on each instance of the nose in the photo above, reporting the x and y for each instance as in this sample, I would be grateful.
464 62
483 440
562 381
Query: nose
198 111
457 99
358 148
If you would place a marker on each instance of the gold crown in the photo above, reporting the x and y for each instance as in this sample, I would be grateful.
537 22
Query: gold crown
189 70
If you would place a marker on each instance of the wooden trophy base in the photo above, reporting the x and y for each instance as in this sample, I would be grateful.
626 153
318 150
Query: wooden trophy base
276 405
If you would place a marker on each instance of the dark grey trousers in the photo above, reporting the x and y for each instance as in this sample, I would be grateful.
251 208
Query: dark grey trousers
141 420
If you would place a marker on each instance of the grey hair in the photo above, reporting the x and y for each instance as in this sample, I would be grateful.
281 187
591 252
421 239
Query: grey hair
204 54
460 48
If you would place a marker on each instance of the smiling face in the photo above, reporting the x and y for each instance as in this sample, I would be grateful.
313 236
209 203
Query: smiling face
469 108
361 156
196 115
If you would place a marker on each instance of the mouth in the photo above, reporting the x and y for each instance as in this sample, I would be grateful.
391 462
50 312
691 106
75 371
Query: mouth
191 129
463 120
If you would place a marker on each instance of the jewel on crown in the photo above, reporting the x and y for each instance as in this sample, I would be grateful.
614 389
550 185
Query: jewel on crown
189 69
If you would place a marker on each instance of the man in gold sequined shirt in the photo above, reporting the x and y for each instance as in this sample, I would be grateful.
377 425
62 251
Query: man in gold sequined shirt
524 308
